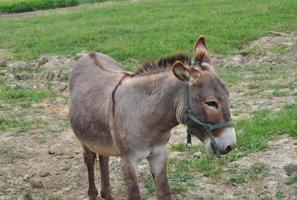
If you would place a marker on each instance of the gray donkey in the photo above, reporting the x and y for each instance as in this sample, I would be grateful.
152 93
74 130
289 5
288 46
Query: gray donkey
117 113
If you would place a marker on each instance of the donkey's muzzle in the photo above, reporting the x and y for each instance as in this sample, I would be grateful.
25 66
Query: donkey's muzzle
227 149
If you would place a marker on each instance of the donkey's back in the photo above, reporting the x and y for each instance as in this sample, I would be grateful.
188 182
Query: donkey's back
91 83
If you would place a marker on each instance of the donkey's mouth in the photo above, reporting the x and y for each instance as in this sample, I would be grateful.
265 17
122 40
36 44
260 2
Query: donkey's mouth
226 150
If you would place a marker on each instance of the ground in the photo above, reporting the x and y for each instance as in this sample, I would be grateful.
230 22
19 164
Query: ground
42 159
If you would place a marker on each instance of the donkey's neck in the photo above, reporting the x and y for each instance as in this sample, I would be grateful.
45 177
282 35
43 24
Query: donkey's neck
162 93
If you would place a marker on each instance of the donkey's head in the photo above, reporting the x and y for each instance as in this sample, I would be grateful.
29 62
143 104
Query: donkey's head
206 102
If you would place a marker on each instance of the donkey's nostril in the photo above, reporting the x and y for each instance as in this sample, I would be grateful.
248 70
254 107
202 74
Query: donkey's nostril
228 148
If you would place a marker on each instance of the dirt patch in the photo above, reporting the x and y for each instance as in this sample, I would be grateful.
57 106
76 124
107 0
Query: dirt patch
282 152
266 69
266 51
47 72
46 163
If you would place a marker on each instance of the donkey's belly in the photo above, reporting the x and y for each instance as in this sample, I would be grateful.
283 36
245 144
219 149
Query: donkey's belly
101 144
93 133
104 150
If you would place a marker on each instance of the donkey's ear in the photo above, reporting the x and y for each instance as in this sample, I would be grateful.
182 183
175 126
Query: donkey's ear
201 52
184 74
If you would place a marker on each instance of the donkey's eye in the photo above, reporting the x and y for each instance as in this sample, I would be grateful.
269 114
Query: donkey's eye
212 104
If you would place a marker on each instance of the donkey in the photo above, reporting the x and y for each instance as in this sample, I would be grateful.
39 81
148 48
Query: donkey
117 113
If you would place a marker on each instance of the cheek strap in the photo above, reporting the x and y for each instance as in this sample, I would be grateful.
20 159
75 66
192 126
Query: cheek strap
189 117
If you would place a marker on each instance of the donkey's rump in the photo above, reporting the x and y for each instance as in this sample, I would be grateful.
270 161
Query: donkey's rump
91 84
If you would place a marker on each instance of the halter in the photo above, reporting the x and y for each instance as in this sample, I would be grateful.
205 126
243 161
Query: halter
209 128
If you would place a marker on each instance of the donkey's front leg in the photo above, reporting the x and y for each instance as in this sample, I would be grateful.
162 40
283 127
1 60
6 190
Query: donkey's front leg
158 166
129 169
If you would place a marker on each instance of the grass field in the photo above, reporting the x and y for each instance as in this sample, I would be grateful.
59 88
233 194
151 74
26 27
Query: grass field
146 29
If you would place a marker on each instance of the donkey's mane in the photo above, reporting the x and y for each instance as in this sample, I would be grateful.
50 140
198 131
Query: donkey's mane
153 66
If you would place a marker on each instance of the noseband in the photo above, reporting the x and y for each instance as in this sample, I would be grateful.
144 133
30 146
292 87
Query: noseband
189 117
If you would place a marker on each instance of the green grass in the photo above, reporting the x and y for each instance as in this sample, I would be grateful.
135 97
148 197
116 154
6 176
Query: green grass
230 75
44 195
254 85
237 180
149 184
3 155
277 93
28 195
260 76
18 99
146 29
255 133
20 124
27 96
179 182
280 50
208 165
11 97
184 147
291 85
280 194
243 175
292 180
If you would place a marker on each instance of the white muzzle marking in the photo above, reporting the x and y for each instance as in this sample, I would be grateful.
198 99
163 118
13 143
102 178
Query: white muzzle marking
225 139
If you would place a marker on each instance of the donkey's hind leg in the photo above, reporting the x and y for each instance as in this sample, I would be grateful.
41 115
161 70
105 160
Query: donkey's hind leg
105 184
89 158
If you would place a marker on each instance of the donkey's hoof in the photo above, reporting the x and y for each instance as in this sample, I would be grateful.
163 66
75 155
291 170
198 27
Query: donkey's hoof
165 196
92 194
109 197
93 197
106 195
135 197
